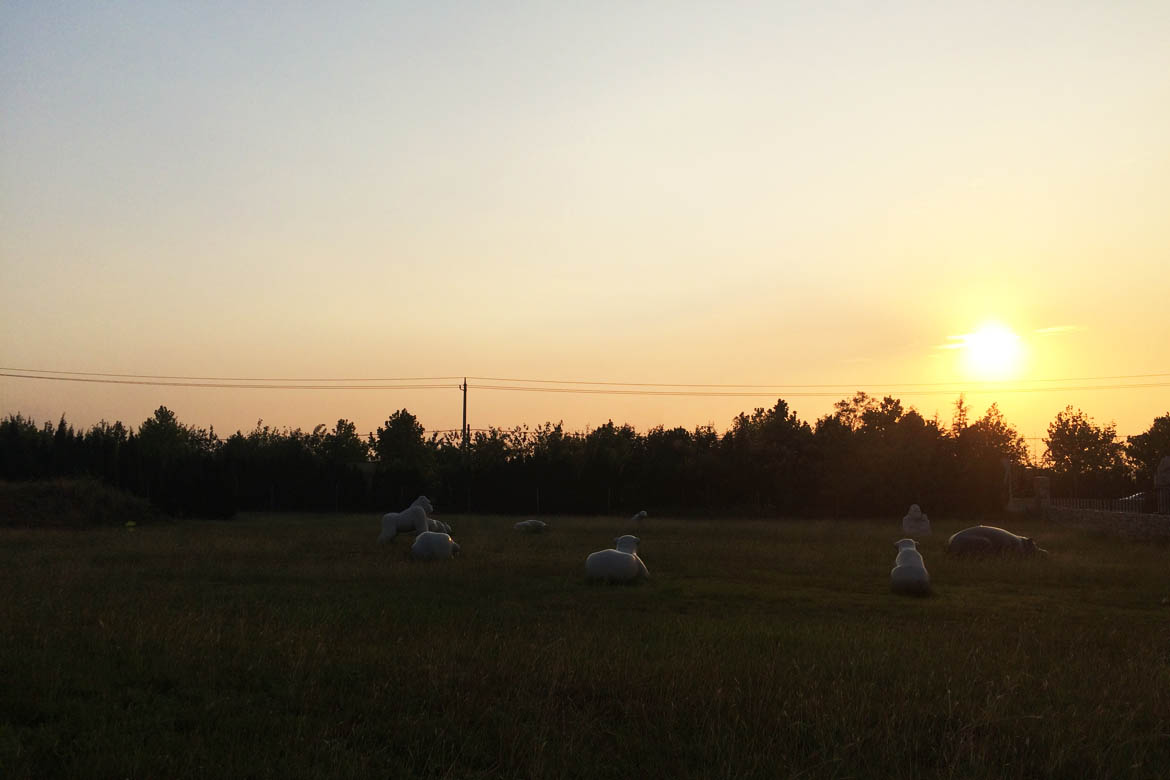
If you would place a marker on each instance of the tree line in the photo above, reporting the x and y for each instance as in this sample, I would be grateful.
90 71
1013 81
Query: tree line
869 456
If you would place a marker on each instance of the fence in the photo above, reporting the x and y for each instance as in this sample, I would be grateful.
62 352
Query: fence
1147 502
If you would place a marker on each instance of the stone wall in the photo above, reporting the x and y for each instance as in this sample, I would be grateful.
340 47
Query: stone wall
1128 525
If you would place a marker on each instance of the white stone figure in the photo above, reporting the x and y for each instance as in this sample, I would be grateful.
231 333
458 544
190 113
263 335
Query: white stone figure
979 540
413 518
1162 473
433 546
909 574
532 526
618 565
916 523
636 520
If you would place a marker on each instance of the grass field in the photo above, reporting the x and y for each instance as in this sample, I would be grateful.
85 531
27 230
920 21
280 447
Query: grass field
293 646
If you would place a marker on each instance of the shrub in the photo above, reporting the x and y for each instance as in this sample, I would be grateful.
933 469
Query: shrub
69 503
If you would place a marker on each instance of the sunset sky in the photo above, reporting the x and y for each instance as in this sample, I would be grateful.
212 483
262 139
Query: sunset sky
779 194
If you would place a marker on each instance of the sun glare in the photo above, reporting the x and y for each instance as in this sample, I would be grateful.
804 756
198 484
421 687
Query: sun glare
993 352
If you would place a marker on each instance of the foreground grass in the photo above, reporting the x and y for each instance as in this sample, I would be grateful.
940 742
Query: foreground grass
293 646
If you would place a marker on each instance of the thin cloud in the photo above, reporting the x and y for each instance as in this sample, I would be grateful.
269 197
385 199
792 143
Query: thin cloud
959 341
1059 330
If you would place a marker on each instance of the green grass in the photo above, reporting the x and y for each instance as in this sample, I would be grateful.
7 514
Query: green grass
294 646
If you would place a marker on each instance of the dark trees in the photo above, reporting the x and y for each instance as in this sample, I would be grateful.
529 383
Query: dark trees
1146 450
405 460
1086 459
869 457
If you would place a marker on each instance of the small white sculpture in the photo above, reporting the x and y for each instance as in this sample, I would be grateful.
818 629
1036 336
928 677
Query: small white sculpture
916 523
618 565
909 574
433 546
532 526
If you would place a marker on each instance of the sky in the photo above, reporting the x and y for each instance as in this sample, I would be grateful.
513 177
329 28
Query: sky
780 194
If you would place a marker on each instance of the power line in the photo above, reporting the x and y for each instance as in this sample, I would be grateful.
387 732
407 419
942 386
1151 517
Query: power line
232 378
782 386
224 385
586 382
590 390
762 394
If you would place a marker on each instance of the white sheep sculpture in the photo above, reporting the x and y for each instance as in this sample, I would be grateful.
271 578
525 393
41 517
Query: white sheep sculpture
433 546
618 565
916 523
909 575
532 526
413 518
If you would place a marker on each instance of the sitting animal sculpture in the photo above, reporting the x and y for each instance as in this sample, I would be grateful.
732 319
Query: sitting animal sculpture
433 546
532 526
617 565
989 540
909 575
413 518
916 522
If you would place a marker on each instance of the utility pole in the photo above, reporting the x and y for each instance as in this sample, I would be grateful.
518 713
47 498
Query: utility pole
463 387
466 451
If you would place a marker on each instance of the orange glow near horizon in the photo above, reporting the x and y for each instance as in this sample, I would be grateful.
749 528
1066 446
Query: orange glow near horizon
806 204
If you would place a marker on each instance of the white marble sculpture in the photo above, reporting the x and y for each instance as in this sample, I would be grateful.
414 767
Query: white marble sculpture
909 574
413 518
433 546
618 565
916 523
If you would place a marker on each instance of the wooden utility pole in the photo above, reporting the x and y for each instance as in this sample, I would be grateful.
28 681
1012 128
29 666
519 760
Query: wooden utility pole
466 451
463 387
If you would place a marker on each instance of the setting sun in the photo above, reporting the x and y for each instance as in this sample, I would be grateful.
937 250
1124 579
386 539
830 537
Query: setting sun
993 352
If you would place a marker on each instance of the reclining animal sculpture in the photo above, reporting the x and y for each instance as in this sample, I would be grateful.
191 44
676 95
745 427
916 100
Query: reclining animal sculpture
617 565
990 540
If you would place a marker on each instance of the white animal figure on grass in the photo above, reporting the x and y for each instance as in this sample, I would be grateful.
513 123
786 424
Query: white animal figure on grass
432 523
916 523
909 574
413 518
533 526
636 520
618 565
433 546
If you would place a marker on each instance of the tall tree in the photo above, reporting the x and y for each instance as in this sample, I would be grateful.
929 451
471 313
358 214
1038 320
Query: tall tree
406 463
343 445
400 440
1146 450
1088 458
